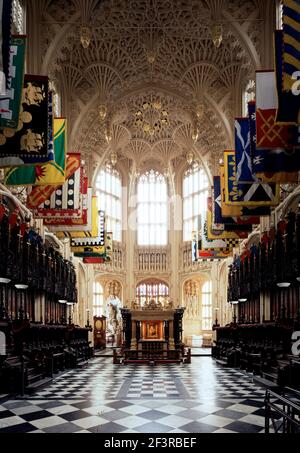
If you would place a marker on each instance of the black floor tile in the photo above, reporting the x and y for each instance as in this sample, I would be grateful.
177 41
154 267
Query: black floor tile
36 415
196 427
22 428
108 428
242 427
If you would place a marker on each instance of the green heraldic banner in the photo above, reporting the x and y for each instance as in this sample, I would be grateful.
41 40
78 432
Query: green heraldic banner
10 103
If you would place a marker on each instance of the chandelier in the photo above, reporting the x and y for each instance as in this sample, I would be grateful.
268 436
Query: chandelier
190 157
217 35
85 36
152 117
114 158
200 110
102 112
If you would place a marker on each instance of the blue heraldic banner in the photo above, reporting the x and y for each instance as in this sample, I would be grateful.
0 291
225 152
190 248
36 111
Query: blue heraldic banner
239 194
244 173
288 104
232 223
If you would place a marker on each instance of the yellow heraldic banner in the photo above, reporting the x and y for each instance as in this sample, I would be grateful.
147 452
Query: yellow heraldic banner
222 235
89 231
51 174
228 211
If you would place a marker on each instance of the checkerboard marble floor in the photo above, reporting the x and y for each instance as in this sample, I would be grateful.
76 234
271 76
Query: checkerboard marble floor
105 398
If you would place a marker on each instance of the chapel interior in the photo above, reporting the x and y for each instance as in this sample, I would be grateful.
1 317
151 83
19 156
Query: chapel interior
150 216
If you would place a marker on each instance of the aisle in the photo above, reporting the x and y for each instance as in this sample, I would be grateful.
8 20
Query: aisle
196 398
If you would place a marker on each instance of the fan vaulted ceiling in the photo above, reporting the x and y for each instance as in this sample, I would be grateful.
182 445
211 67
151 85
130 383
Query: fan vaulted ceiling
153 67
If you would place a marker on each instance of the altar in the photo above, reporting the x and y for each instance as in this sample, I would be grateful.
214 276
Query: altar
152 331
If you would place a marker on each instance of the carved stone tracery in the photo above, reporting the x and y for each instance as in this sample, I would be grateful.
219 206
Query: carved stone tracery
140 48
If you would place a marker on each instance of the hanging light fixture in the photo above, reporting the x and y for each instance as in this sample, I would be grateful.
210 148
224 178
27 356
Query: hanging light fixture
190 157
4 281
102 112
195 135
283 284
200 110
108 136
166 173
217 35
21 287
85 36
114 158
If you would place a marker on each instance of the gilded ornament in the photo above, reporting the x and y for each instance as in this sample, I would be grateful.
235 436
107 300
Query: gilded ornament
2 140
26 117
31 142
9 133
33 95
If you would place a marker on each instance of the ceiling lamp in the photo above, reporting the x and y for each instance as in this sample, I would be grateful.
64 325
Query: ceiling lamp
61 301
21 287
5 281
283 285
242 300
298 279
151 57
200 110
166 173
190 157
85 36
217 35
114 158
102 112
108 136
195 135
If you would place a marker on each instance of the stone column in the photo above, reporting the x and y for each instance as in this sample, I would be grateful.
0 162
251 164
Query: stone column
133 335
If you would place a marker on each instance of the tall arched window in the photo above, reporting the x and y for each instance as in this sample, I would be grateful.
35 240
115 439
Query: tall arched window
152 213
280 14
207 320
18 17
152 290
195 193
98 299
109 193
248 96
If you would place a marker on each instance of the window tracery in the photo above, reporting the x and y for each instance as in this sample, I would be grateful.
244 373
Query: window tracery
207 318
152 291
195 193
152 210
109 193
